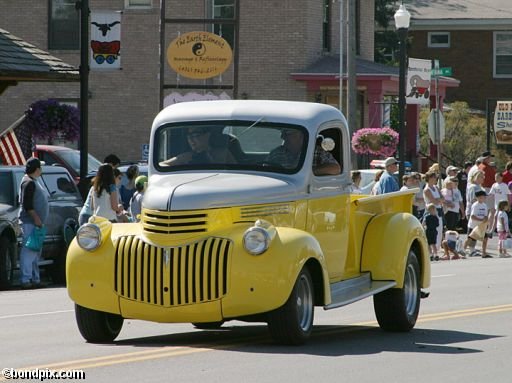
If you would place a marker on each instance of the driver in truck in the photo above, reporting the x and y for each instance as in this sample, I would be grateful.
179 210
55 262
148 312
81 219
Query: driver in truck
201 150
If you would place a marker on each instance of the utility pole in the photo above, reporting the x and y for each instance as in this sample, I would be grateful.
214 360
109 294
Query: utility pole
83 6
352 73
342 34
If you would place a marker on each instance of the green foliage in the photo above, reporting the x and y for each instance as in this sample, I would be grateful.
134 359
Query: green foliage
384 11
465 136
386 41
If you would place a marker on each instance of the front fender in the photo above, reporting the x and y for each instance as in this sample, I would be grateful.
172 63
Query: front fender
386 244
264 282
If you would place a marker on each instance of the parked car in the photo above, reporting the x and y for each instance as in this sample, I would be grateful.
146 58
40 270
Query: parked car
69 158
65 204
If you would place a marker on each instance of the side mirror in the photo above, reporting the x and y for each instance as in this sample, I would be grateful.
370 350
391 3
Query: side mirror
327 143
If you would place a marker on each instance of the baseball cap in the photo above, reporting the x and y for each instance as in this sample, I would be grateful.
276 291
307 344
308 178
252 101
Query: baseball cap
452 169
487 154
32 164
140 181
390 161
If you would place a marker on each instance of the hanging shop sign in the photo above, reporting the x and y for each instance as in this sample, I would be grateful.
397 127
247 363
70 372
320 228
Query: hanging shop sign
418 81
503 122
105 44
199 55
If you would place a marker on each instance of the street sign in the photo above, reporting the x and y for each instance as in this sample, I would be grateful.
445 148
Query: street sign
144 148
447 71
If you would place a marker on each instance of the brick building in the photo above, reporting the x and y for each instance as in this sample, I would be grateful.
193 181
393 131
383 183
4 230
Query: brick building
276 39
473 38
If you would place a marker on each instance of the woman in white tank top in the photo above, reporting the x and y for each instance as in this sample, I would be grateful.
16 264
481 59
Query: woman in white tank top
105 201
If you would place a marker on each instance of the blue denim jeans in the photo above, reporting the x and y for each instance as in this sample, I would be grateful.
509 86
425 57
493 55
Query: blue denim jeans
29 258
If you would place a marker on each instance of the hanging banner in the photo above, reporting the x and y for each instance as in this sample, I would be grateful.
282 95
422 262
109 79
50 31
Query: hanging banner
418 81
503 122
199 55
105 40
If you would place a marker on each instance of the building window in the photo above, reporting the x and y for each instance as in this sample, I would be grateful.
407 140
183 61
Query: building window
138 3
224 9
502 54
439 39
64 25
326 41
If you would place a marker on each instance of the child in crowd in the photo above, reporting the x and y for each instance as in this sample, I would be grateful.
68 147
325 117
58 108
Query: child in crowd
502 227
477 218
453 203
500 191
431 222
449 244
136 200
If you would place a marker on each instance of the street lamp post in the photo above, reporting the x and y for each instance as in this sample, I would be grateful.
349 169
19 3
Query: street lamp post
402 20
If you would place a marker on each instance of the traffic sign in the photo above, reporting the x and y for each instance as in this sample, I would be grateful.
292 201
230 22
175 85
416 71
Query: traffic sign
144 148
447 71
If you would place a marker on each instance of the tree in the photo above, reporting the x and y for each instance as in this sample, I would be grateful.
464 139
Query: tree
465 136
386 41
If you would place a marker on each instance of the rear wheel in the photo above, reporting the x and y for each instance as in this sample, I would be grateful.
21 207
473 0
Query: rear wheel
397 309
292 323
98 326
6 262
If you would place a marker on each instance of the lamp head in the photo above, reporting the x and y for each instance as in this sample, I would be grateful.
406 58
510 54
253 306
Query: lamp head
402 18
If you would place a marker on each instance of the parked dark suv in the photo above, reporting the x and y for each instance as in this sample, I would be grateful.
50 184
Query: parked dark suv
65 204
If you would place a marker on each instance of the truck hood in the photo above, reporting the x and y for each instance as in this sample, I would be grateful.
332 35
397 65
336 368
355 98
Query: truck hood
196 191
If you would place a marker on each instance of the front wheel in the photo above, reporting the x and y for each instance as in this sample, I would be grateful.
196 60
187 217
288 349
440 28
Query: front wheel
397 309
292 323
98 326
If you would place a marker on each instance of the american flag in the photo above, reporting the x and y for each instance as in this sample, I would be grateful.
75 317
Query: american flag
15 144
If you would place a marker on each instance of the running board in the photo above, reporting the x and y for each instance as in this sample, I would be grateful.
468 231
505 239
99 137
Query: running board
355 289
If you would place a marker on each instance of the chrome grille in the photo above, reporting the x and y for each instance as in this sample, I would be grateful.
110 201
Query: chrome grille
173 276
163 222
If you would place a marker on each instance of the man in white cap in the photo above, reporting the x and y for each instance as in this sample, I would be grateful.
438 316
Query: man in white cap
388 182
451 171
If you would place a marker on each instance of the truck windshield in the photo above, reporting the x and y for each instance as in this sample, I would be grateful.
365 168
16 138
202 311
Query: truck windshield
236 145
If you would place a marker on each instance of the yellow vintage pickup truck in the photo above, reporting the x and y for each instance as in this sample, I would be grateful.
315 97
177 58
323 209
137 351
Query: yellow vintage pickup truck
248 215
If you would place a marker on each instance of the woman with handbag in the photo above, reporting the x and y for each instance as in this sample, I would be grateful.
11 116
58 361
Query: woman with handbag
33 214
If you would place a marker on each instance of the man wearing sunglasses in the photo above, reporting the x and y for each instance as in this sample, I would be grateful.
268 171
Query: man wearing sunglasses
201 150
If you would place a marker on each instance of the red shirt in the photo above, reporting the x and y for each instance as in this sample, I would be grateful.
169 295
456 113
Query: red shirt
490 174
507 176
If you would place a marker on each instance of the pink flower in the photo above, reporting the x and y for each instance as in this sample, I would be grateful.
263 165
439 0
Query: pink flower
376 141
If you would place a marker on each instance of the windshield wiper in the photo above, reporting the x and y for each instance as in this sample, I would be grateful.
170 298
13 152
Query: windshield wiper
252 125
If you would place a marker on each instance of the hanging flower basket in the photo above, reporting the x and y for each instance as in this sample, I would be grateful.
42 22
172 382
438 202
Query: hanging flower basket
49 120
376 141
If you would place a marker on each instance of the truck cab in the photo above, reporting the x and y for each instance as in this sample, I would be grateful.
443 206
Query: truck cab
248 215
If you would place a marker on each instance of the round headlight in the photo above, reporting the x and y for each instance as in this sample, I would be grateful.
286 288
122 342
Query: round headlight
256 240
89 237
